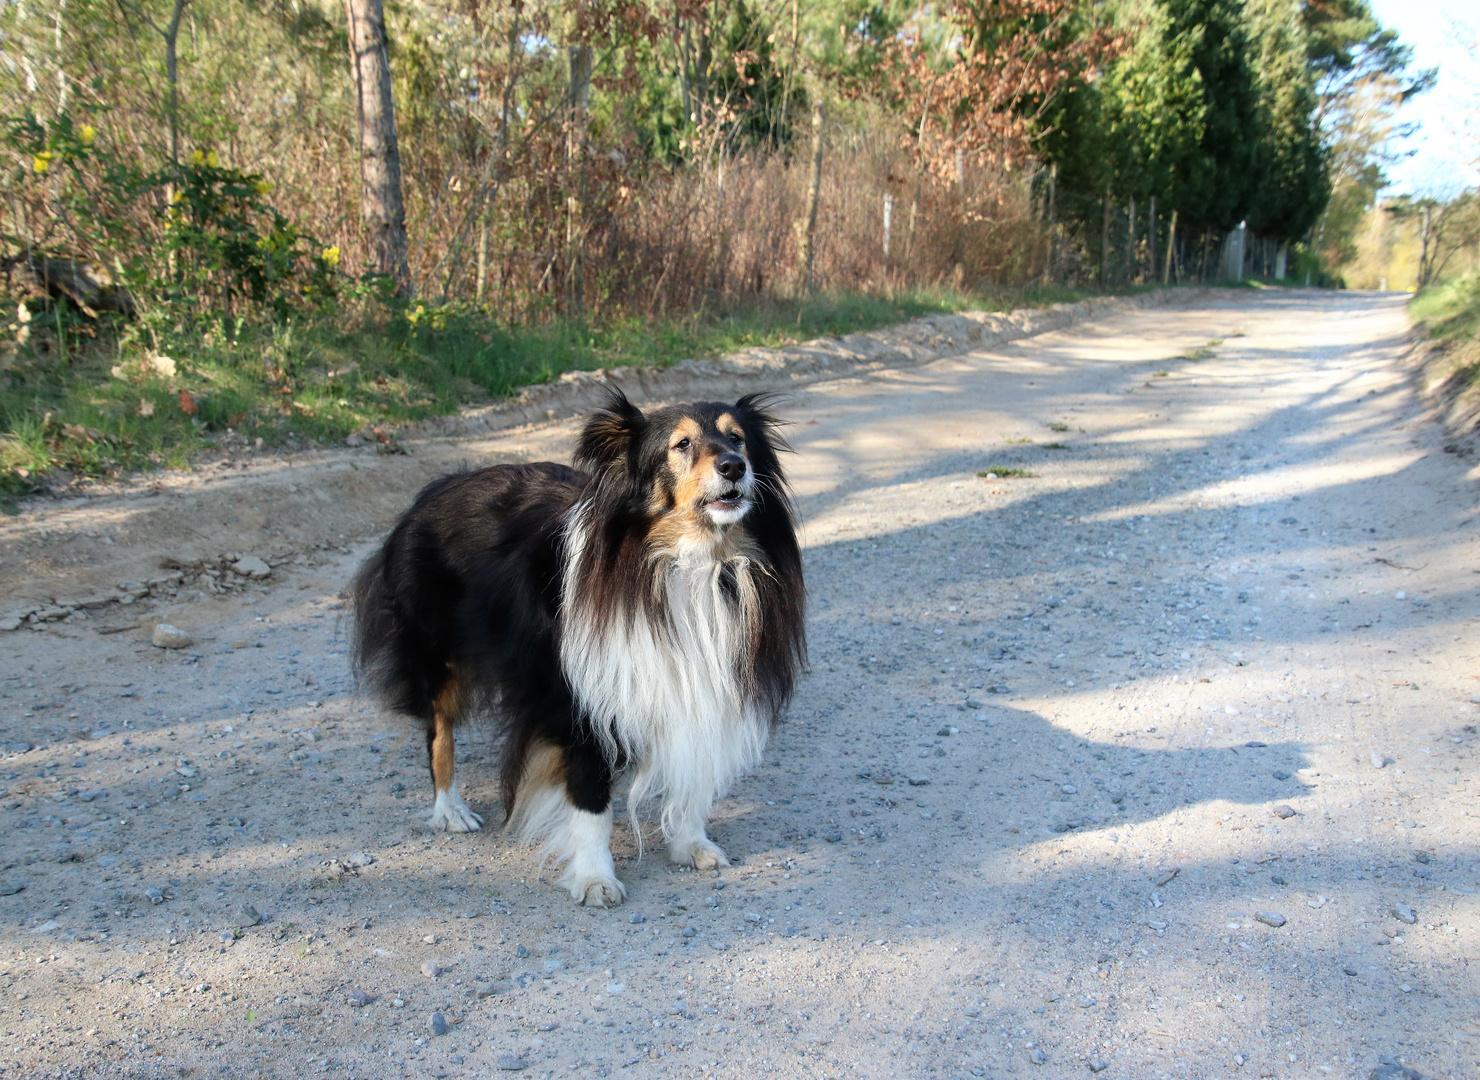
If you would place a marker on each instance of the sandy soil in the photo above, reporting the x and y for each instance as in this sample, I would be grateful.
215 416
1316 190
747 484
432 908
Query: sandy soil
1070 744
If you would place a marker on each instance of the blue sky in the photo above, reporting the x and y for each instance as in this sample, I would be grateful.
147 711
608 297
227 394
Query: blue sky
1437 29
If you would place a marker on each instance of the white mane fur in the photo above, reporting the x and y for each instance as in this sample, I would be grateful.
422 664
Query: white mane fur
668 692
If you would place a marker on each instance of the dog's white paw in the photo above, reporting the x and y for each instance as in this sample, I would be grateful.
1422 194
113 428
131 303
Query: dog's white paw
703 854
595 890
450 813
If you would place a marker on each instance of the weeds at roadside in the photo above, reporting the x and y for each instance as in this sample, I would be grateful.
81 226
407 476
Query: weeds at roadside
1005 472
81 398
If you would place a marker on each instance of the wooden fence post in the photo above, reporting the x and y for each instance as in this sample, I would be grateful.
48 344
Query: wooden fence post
1105 245
888 226
1171 249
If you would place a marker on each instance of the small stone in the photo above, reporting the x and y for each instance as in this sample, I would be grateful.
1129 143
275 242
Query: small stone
998 689
1157 925
431 939
247 915
511 1063
171 637
251 566
919 781
833 837
1069 789
1391 1070
520 951
1405 914
1280 774
1282 810
1270 918
883 776
431 969
637 917
499 986
156 896
1037 1056
10 888
1096 1065
1277 879
358 999
360 861
1350 970
1378 761
1085 1002
438 1024
754 917
944 732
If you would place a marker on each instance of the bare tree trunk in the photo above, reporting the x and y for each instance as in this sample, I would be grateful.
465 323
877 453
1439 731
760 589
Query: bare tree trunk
381 207
575 196
807 228
482 279
171 35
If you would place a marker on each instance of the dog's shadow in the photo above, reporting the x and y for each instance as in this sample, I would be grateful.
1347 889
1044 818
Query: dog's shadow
957 786
960 785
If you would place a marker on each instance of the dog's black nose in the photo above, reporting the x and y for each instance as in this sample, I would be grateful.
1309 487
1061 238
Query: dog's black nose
730 466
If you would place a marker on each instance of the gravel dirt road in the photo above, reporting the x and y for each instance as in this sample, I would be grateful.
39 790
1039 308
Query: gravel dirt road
1157 762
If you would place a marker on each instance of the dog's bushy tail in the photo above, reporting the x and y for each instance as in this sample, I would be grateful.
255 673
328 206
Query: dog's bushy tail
381 640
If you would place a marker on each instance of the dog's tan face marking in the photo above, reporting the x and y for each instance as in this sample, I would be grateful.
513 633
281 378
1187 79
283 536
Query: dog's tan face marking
693 479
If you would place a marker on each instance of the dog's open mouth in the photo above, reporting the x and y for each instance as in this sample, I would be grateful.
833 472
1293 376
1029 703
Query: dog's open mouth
732 499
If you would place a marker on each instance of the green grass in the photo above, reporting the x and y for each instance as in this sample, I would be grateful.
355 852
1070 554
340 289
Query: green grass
90 400
1005 472
1449 311
1055 446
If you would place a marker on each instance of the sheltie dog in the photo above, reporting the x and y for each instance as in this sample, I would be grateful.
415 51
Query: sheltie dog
637 618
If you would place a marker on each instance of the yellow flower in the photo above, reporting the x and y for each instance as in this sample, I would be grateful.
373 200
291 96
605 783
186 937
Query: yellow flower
197 158
261 187
41 163
212 160
87 134
330 255
177 197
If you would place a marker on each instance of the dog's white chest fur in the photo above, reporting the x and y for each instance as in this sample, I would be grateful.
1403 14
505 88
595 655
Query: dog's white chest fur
669 692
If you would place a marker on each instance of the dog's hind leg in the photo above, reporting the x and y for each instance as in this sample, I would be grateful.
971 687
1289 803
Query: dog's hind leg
688 844
449 812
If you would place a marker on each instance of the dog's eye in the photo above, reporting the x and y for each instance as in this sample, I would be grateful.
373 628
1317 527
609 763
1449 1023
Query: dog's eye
682 444
736 438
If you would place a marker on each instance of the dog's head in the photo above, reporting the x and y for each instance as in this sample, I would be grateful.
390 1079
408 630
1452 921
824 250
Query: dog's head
703 466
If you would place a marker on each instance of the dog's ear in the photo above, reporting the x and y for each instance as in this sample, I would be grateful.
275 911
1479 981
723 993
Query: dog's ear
610 433
757 413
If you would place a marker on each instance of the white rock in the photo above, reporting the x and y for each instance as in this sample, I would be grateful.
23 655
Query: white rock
171 637
251 566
